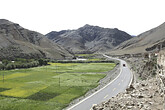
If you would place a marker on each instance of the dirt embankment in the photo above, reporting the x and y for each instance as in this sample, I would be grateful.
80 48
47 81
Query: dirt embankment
145 93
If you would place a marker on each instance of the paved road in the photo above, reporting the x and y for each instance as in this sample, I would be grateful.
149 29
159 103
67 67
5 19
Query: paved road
119 84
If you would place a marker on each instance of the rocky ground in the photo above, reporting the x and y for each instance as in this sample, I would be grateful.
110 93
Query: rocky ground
145 95
145 92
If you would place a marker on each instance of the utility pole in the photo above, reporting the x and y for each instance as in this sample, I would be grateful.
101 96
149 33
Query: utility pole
59 81
3 77
56 68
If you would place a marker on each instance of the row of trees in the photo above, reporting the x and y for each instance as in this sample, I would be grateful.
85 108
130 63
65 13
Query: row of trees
21 63
69 61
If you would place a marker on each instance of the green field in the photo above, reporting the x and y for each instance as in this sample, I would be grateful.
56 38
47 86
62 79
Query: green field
50 87
90 57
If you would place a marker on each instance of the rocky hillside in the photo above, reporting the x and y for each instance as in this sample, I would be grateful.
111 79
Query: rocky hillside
16 41
89 39
149 41
161 70
145 93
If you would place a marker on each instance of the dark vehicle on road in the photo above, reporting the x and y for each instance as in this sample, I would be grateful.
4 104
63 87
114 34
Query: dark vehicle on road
124 65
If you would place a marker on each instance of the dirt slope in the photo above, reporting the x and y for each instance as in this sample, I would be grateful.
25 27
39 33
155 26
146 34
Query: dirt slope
16 41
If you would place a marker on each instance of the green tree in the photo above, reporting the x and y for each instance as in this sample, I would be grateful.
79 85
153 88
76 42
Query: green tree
2 67
42 62
5 62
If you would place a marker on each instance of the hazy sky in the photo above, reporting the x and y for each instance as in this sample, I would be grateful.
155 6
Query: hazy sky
132 16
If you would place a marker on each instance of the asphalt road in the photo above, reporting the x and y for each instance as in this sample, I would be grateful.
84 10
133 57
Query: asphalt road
119 84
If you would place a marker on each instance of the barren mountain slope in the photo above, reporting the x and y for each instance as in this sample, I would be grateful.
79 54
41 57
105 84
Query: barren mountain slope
147 41
89 39
16 41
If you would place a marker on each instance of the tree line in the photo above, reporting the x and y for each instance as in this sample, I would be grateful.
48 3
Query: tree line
70 61
22 63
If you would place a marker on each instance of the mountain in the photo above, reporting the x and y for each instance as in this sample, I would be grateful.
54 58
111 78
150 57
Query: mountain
148 41
89 39
16 41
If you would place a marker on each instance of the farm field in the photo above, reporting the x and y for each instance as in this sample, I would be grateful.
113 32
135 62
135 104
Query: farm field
50 87
90 57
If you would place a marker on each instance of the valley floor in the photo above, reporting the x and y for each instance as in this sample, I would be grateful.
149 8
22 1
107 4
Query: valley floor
50 87
110 75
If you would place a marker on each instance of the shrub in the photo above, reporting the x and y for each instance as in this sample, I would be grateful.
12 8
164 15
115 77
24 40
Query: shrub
42 62
5 62
2 67
10 66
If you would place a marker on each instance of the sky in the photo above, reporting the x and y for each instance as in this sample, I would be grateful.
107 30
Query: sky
131 16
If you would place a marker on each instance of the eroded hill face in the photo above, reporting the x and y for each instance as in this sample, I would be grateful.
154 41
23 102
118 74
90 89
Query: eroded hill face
89 39
16 41
148 41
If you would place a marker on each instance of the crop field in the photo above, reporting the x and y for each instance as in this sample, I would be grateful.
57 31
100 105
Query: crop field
50 87
90 57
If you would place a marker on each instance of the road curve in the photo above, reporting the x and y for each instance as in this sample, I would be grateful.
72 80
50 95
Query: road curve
119 84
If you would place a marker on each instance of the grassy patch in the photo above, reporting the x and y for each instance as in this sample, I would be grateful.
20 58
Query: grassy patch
41 96
3 89
49 87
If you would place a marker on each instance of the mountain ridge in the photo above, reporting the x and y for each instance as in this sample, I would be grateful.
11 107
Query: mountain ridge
89 38
148 41
16 41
